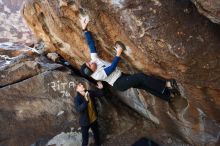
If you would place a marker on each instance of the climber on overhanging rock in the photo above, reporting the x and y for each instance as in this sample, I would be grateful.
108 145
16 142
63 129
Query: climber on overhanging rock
101 70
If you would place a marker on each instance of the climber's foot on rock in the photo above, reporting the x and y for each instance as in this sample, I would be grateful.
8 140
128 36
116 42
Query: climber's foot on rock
173 86
84 20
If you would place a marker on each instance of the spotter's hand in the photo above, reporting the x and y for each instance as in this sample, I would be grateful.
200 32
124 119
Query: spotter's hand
99 85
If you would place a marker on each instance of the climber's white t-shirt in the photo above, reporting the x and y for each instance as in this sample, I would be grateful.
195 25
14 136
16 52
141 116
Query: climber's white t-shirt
100 74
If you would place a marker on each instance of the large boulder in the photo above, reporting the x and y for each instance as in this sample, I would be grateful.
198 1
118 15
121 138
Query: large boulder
35 108
38 108
36 103
164 38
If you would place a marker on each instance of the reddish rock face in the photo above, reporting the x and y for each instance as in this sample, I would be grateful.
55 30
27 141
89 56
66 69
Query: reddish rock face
12 26
164 38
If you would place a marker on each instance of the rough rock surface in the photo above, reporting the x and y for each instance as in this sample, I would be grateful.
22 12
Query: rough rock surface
66 139
29 109
209 8
36 104
19 62
164 38
12 26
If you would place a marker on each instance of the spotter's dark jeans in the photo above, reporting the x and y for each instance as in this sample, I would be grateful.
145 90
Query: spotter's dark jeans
85 133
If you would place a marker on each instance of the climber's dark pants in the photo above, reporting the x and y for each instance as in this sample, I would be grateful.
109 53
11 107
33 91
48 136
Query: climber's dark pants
150 84
85 133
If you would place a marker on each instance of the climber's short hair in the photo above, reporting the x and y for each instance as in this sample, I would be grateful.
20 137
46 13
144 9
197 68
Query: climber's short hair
120 44
85 70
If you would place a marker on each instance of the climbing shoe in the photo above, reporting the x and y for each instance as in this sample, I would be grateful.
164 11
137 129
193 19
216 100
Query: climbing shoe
174 87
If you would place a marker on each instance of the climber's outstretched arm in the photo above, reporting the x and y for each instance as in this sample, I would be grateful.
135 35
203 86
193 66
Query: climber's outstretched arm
91 44
112 67
108 70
